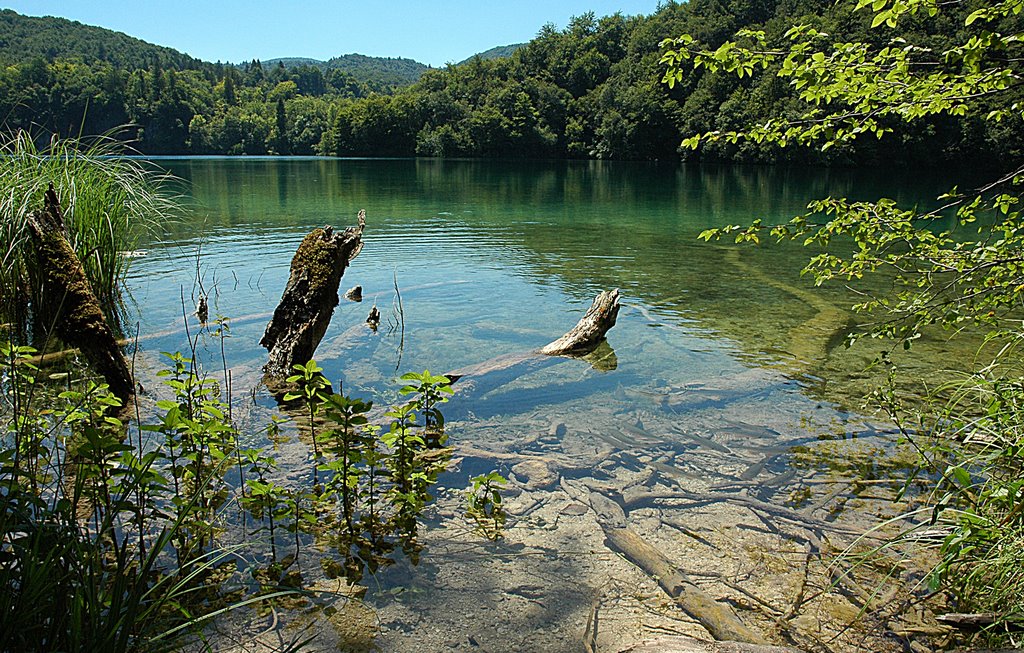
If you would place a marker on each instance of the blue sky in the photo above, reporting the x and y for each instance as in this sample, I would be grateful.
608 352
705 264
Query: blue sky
433 33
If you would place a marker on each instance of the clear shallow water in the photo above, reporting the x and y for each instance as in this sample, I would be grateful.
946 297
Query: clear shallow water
723 356
495 257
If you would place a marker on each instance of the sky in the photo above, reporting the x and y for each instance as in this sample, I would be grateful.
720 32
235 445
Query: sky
434 33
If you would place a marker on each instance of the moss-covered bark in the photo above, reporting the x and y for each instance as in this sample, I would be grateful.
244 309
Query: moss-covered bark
309 299
70 309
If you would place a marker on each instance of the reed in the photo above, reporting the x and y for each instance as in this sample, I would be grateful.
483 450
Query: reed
108 201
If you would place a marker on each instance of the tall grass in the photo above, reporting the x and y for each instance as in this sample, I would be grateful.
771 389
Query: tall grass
108 200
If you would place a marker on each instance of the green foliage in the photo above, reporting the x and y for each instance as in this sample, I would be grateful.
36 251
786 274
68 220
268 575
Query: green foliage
89 516
483 499
312 386
590 90
106 201
430 391
376 479
980 498
956 267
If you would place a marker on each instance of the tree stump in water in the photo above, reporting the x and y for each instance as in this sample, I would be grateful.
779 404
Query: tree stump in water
70 307
590 330
309 299
584 340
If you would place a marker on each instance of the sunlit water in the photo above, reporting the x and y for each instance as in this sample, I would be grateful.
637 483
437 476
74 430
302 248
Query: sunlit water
713 342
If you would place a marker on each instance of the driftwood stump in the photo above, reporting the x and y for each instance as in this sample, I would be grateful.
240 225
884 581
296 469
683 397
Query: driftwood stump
70 307
584 340
590 330
309 299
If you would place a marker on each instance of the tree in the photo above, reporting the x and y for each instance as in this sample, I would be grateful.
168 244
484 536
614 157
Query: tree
968 277
281 141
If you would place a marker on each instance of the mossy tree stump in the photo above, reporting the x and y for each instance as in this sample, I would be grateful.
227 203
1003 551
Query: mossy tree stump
310 297
69 308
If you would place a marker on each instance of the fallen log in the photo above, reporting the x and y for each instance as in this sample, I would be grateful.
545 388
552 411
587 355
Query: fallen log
70 307
585 340
590 330
309 298
717 618
683 644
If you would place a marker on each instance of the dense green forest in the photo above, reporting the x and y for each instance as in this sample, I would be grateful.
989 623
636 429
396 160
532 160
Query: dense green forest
376 72
591 90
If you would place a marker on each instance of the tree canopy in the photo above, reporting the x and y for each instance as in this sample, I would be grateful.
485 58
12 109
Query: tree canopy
590 90
959 266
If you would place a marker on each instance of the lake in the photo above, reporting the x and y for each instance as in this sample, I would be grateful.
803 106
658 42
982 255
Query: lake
722 361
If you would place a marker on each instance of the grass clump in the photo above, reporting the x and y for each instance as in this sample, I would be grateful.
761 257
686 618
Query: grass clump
107 200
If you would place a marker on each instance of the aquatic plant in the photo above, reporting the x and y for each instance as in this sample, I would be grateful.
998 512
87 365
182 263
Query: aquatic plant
87 519
484 507
430 391
311 388
107 200
343 441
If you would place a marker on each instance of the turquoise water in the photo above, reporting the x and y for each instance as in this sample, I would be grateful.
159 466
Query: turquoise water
722 359
494 258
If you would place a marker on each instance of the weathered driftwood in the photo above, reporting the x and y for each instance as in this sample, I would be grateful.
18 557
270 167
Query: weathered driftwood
309 299
591 328
683 644
71 309
717 618
585 340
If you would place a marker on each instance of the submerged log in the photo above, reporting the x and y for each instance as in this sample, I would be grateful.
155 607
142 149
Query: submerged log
585 340
309 299
71 308
590 330
683 644
719 619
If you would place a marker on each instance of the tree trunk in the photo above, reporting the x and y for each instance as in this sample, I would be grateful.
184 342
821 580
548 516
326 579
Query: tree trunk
590 330
584 340
717 618
72 310
309 299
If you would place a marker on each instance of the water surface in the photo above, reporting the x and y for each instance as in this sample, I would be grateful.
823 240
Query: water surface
723 357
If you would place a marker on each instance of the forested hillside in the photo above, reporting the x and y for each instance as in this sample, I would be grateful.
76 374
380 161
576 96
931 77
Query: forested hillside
496 52
378 73
24 38
593 89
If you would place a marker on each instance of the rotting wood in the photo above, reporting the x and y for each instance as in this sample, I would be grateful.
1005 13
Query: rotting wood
310 297
591 328
584 340
684 644
72 308
718 619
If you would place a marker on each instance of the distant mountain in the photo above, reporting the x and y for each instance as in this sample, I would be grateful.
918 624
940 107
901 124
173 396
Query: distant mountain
495 53
294 62
24 38
369 70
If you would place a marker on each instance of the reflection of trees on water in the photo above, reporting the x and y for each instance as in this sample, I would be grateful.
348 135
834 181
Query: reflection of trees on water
578 225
